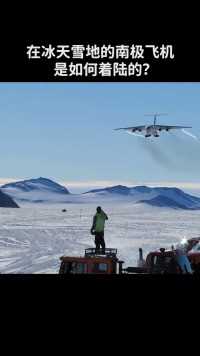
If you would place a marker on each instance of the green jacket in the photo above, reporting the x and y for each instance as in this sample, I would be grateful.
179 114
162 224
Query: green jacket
99 221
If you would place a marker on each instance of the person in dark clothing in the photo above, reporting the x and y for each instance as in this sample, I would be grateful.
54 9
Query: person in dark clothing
98 229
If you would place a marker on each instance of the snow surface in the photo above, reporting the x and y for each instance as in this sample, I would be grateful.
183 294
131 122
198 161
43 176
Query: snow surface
33 238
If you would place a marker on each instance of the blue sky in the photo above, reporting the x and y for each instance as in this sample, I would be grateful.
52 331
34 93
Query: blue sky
65 132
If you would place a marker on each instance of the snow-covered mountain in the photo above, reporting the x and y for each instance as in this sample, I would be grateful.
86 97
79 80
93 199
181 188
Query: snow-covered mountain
6 201
160 196
162 201
36 190
121 190
43 190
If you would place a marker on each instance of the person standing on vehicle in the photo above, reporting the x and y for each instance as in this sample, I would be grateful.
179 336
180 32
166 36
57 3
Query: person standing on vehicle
98 229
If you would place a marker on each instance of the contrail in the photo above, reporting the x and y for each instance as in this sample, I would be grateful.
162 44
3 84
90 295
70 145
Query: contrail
153 149
191 135
159 154
134 134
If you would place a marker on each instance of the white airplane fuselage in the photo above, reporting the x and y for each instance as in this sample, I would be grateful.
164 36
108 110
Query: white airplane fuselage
152 131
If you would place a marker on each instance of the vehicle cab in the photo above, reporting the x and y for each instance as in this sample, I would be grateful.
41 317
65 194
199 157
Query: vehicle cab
94 262
167 262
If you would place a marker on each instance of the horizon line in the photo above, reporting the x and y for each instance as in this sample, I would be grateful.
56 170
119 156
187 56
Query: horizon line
109 183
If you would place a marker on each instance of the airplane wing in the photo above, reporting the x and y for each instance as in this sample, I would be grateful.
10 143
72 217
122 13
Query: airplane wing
133 129
164 127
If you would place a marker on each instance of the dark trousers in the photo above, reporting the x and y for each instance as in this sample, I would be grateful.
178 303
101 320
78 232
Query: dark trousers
100 242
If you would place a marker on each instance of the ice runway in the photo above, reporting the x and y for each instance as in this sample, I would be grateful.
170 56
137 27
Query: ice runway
33 238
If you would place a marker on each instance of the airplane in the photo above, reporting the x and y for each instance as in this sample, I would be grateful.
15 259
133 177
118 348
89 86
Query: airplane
153 130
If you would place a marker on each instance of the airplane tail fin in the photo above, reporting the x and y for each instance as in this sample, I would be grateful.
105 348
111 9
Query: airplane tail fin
155 116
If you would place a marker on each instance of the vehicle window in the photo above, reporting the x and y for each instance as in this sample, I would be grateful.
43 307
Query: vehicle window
159 260
164 264
154 260
80 268
103 267
67 268
196 247
168 259
164 260
75 268
100 267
